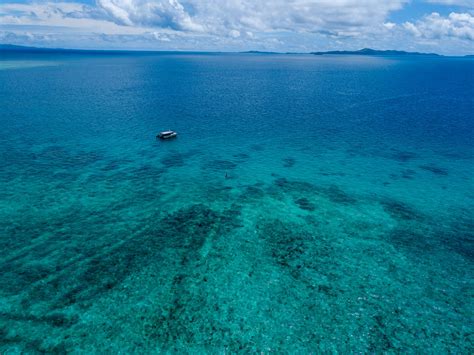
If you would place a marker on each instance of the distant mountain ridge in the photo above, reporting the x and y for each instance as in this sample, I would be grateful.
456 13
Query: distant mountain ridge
26 49
365 51
12 48
259 52
370 51
16 48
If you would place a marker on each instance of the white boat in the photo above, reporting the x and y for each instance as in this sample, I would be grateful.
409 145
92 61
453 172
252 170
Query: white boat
167 134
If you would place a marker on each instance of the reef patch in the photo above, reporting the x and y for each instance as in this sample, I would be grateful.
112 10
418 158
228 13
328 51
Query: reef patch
435 170
220 165
305 204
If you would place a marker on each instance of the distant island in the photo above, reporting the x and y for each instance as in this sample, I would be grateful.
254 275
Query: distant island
259 52
375 52
365 51
15 48
26 49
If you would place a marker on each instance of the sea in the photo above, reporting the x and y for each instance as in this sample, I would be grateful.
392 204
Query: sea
309 204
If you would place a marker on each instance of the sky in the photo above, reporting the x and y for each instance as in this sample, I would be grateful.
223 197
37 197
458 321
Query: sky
441 26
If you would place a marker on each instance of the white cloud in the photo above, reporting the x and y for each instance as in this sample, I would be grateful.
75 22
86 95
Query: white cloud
53 15
280 25
435 26
203 21
162 14
346 17
213 16
234 34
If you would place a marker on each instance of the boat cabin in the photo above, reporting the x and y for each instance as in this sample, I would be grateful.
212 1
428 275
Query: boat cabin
167 134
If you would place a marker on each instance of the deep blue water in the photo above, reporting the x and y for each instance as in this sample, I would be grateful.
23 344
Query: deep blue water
309 203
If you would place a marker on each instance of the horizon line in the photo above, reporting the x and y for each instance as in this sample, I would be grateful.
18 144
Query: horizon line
131 50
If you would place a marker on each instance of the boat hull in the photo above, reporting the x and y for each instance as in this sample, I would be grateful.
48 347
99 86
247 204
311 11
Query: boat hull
167 136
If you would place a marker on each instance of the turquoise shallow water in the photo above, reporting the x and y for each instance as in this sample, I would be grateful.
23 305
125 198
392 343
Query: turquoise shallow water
345 222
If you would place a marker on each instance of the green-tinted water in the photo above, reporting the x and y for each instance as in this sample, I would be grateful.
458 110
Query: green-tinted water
309 204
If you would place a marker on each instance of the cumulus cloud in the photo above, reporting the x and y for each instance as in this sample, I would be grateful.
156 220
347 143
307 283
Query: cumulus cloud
206 20
435 26
47 11
390 25
61 17
281 25
161 13
25 37
339 17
